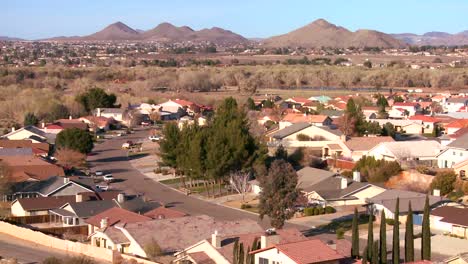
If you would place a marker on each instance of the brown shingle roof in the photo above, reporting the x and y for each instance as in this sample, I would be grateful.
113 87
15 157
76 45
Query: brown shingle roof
164 213
452 215
26 167
44 203
201 258
116 215
5 143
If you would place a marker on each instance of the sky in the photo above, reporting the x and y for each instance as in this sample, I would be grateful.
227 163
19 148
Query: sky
35 19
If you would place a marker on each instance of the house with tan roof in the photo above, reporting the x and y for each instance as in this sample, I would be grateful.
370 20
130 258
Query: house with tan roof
316 120
219 248
354 147
420 151
304 135
172 235
30 168
97 122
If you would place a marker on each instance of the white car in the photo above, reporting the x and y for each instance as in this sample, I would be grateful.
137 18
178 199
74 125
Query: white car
108 178
98 173
102 187
154 138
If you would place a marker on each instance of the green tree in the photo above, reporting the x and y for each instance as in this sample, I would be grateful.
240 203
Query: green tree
30 119
353 112
426 233
96 98
241 256
370 237
235 252
355 235
153 250
365 254
388 130
383 238
375 252
281 153
56 111
444 181
279 193
367 64
169 144
398 99
251 104
409 236
396 234
75 139
436 131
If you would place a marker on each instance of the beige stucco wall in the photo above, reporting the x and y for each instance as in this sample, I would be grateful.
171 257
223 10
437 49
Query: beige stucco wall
209 250
276 255
17 210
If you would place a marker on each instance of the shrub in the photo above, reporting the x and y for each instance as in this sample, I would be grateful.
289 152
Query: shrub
245 206
303 137
377 170
321 210
444 181
340 233
329 210
153 250
390 221
309 211
52 260
316 211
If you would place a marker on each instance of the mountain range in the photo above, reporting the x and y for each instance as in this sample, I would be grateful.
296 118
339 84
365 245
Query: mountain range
164 32
319 33
434 38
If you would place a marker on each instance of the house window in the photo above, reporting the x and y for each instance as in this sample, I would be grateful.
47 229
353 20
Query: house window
461 154
275 262
454 153
462 173
262 261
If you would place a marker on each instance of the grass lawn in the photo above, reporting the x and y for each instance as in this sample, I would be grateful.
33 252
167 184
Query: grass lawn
345 224
172 181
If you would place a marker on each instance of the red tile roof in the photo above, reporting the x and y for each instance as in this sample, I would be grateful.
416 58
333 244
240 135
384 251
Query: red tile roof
428 119
405 104
307 251
116 215
184 102
164 213
300 100
461 123
301 118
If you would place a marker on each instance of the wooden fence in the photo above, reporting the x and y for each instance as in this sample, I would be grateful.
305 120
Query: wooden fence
59 231
26 220
341 164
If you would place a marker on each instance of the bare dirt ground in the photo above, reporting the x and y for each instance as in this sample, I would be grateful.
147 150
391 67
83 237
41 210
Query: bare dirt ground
410 181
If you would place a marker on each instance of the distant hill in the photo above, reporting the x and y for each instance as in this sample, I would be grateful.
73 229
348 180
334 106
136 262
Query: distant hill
164 32
321 33
5 38
434 39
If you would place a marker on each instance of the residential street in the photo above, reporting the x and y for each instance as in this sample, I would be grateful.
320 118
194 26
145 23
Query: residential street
110 158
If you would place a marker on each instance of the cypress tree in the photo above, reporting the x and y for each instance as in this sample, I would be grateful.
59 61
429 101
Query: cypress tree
241 258
370 237
396 234
364 255
409 236
249 259
375 253
235 252
383 238
355 236
426 233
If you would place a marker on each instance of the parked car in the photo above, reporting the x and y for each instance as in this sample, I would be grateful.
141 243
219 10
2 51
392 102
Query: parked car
155 138
102 187
108 177
127 144
145 123
98 173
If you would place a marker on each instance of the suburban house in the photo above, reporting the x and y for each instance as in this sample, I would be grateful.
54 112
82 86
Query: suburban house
387 201
53 186
420 152
316 120
340 191
402 110
61 124
406 126
30 168
40 149
455 103
428 122
297 101
75 213
451 219
164 213
300 252
461 258
354 147
305 135
455 126
112 217
32 133
172 235
461 168
98 122
219 248
38 205
114 113
454 153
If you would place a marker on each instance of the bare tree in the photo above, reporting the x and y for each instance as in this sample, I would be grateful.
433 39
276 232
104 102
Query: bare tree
70 158
239 181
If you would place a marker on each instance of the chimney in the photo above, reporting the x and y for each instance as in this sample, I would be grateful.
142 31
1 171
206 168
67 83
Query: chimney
356 176
98 112
79 198
215 239
43 124
104 222
268 240
121 198
13 129
66 180
263 241
344 183
70 117
436 192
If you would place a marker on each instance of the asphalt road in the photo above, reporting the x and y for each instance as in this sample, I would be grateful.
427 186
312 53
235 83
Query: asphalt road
110 158
26 251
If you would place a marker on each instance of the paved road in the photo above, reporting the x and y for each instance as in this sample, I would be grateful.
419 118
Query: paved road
109 157
26 251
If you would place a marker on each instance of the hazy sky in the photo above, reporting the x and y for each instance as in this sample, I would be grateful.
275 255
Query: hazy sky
34 19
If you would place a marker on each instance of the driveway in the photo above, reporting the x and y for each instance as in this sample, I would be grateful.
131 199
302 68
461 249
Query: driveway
109 157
